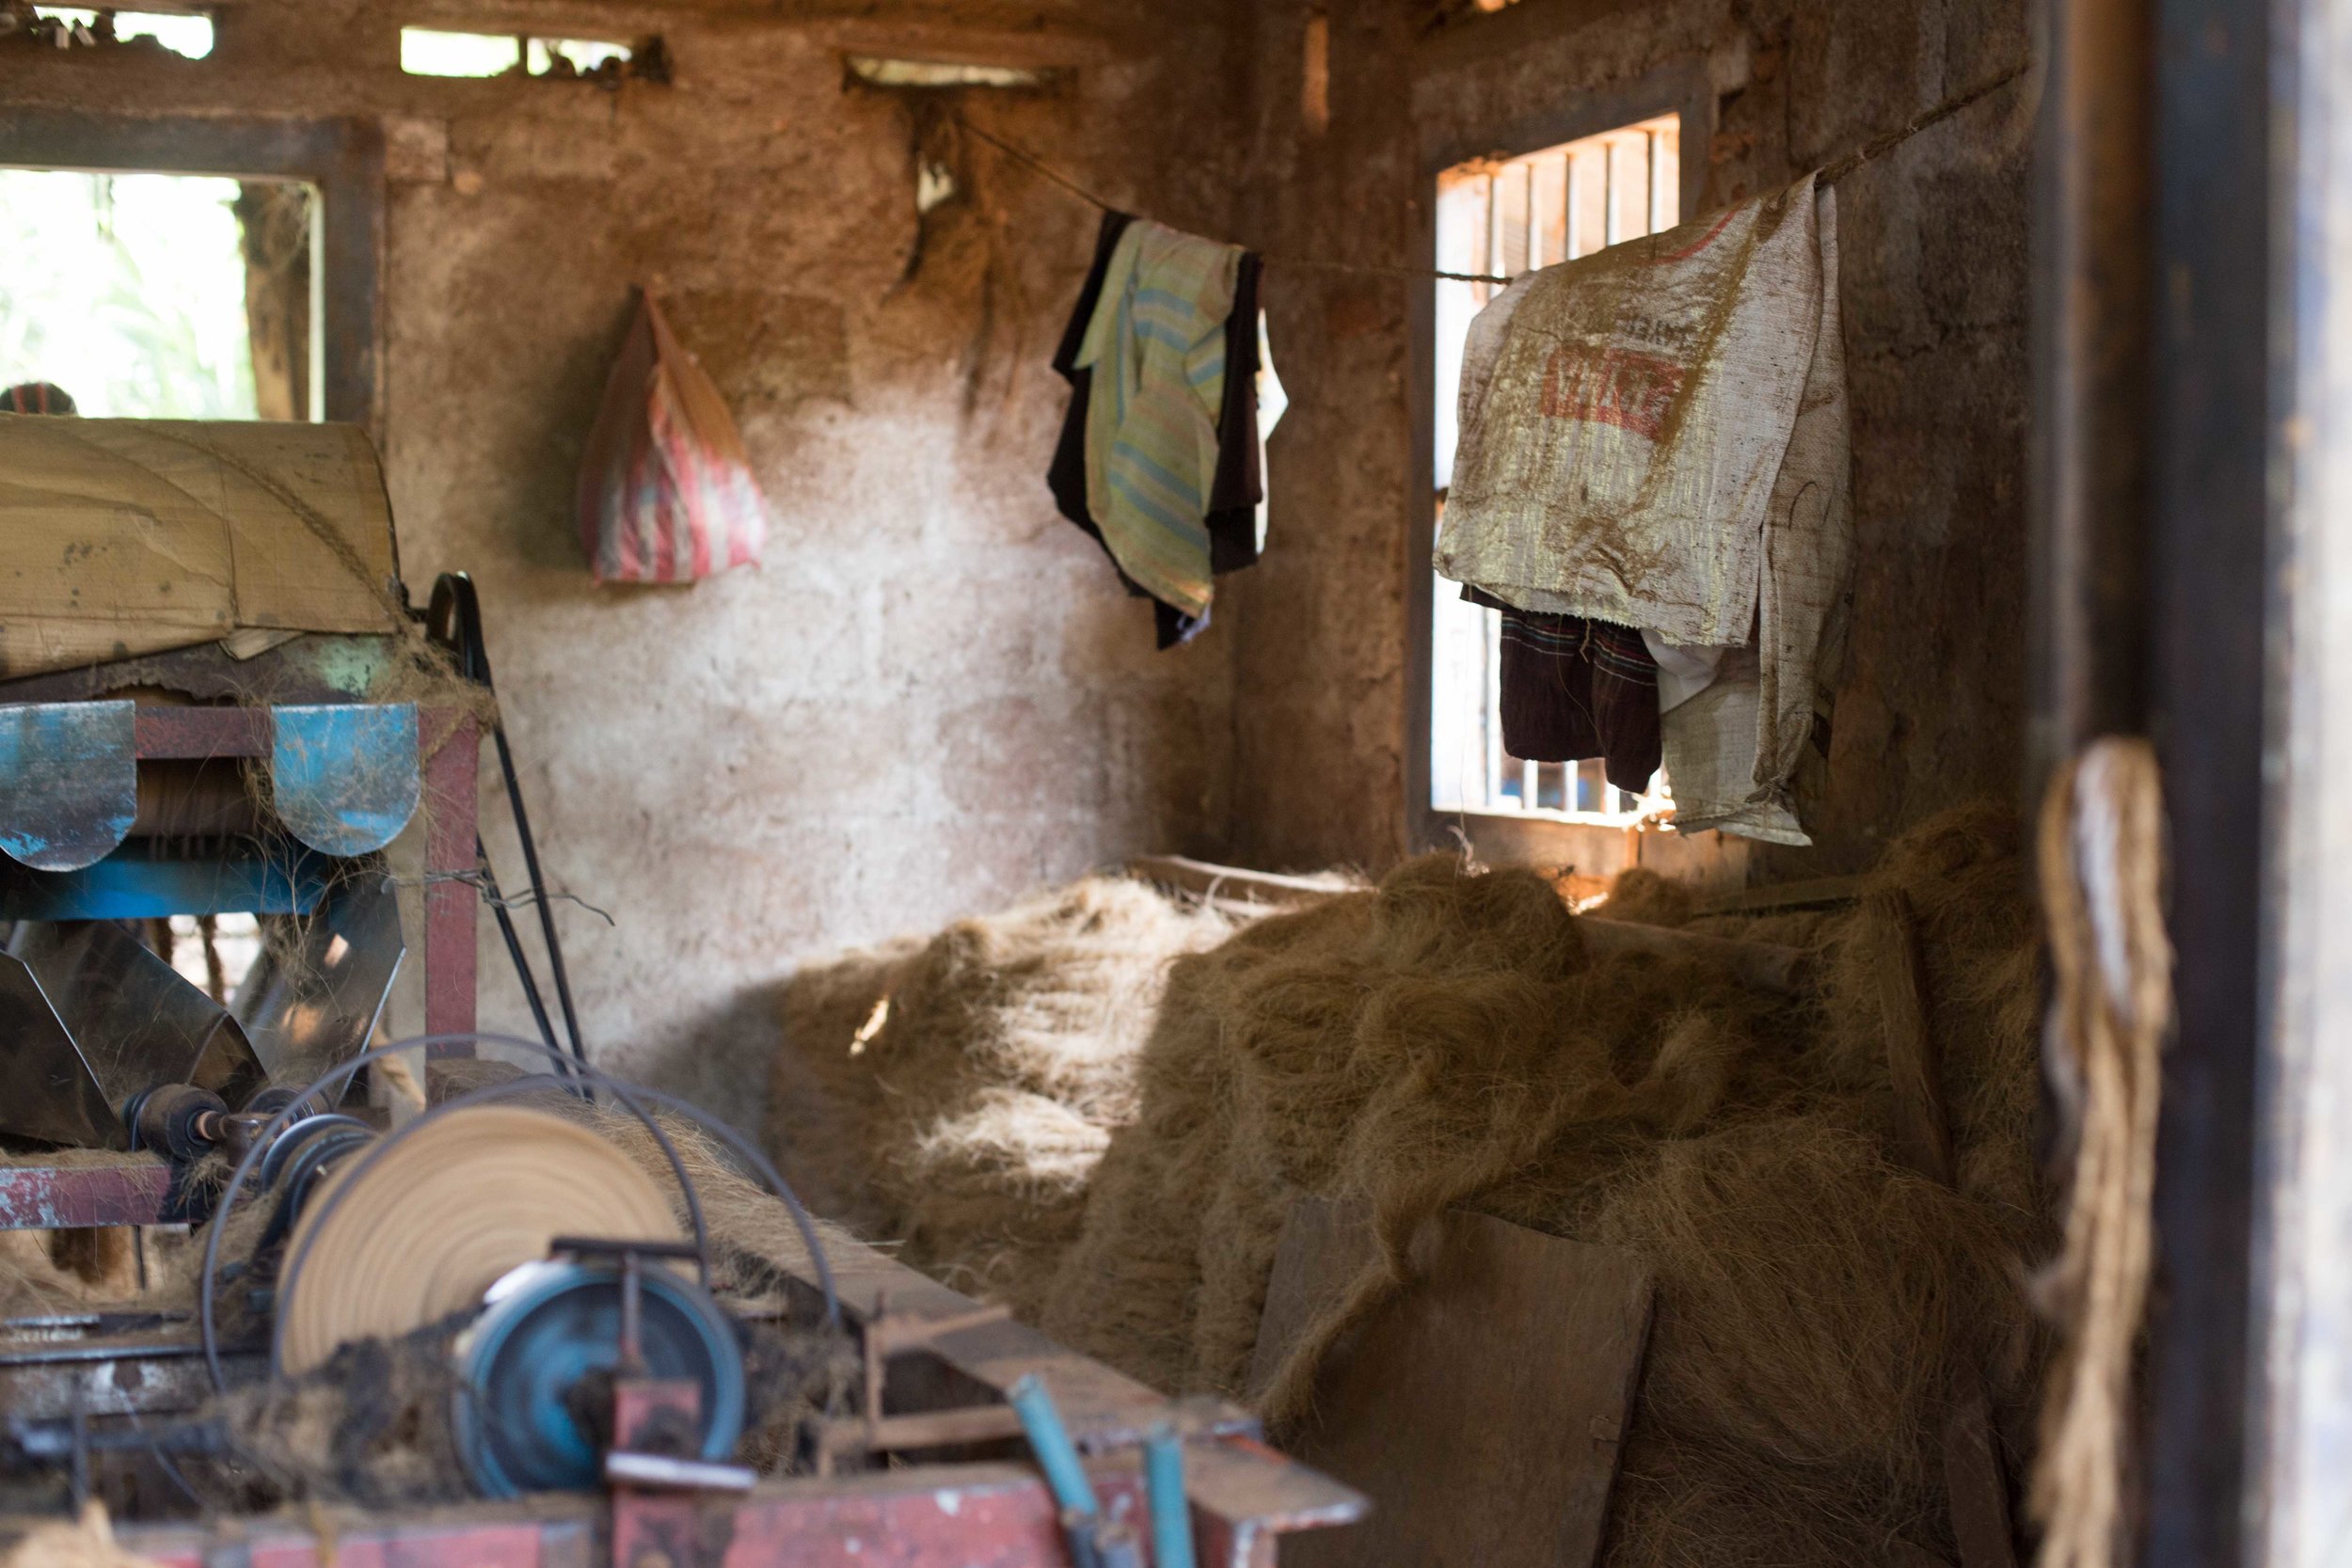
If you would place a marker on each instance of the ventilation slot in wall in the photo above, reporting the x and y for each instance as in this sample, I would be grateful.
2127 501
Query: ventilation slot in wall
433 52
186 33
882 72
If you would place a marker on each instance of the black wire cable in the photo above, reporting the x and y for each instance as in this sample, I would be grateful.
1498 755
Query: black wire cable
537 884
497 901
154 1445
455 619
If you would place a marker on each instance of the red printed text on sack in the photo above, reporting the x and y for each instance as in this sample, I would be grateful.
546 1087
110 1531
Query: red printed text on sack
1610 385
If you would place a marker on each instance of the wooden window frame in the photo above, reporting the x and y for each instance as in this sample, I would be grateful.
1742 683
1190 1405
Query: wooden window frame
344 157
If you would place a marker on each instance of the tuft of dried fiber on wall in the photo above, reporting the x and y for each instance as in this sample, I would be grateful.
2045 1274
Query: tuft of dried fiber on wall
1447 1040
956 1098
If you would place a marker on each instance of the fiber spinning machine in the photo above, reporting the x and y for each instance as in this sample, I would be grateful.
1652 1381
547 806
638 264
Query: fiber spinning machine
601 1313
514 1318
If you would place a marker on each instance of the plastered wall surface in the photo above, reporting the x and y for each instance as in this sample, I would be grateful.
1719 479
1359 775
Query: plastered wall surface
1933 238
933 695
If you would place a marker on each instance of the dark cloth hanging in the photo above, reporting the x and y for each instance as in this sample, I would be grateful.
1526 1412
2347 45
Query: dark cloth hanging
1573 688
1239 483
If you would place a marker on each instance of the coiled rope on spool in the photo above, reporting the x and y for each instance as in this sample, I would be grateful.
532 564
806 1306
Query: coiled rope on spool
418 1230
633 1098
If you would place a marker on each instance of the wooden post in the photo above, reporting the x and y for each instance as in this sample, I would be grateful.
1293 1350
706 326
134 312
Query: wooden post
1974 1483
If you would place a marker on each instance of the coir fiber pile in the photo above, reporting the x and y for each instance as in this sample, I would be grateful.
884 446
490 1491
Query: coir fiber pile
1449 1039
956 1097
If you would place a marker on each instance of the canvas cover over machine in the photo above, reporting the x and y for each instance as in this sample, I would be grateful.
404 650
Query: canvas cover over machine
121 538
124 537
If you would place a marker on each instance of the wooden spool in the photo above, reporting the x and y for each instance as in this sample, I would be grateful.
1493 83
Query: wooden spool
447 1211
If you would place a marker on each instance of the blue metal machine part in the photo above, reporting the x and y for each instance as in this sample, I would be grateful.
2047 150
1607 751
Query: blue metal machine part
1094 1541
344 777
139 882
69 781
1164 1489
543 1355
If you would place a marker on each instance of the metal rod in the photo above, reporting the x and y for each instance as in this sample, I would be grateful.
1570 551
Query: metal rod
632 1314
1055 1454
1164 1482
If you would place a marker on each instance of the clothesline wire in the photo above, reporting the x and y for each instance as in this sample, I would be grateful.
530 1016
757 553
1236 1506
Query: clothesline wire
1829 174
1833 172
1020 154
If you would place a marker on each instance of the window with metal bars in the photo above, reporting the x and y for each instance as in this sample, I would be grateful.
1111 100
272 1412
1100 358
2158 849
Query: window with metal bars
1505 217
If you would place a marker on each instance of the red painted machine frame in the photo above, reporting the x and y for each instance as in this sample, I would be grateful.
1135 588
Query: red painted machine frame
1244 1498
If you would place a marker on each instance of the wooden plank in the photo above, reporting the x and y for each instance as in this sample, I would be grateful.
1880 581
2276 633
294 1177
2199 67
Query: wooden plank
1482 1407
1243 1496
1812 892
1974 1483
1765 965
917 1516
1036 48
1923 1135
1323 1247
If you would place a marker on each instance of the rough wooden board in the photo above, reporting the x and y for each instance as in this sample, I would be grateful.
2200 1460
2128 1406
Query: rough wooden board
1974 1483
1481 1408
1764 965
1974 1479
1812 894
1324 1246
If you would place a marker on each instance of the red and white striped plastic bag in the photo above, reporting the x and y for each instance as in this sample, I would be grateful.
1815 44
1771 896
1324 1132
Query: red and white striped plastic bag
666 491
